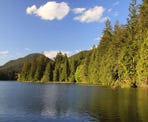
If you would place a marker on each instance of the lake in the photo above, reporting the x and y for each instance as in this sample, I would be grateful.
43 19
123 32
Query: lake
29 102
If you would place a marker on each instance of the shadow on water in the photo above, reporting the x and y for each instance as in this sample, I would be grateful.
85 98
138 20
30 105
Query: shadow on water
26 102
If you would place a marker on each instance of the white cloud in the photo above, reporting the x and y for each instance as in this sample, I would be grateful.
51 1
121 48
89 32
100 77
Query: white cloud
50 11
91 15
4 53
116 3
31 10
52 54
79 10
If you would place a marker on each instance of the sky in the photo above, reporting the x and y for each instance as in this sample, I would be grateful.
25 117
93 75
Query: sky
50 26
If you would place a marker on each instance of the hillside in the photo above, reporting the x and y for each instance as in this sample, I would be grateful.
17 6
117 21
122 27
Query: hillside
10 70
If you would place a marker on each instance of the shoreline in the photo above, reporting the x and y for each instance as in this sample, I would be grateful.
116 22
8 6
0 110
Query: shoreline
88 84
145 86
60 82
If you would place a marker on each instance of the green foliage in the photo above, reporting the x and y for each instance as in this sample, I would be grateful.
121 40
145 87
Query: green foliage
78 74
92 64
10 70
33 68
142 66
48 73
73 66
59 60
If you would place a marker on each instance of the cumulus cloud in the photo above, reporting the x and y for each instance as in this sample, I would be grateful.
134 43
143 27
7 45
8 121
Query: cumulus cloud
31 10
79 10
50 11
91 15
52 54
4 53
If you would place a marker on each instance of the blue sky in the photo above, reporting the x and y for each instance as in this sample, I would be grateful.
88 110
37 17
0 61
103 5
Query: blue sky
48 26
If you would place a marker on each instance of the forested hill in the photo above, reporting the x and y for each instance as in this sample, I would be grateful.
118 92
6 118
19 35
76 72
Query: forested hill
120 59
39 68
10 70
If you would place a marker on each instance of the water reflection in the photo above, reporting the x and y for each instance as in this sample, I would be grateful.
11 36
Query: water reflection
49 99
63 101
52 102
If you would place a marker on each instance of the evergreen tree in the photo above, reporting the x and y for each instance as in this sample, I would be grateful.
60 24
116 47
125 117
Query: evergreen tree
64 69
32 71
25 72
84 71
132 20
102 54
142 66
73 66
41 63
59 59
78 74
56 74
92 68
48 73
142 37
130 50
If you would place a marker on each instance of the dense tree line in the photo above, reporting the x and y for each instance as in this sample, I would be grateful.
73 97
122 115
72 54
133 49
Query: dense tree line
120 59
42 69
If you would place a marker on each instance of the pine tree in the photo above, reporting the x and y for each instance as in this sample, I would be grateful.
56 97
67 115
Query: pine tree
59 59
25 72
64 69
48 73
130 50
102 54
142 37
73 67
32 71
132 20
142 66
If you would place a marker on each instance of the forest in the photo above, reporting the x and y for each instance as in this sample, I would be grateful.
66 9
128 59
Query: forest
120 58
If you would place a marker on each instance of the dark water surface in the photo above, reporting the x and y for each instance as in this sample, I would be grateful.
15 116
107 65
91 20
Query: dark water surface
28 102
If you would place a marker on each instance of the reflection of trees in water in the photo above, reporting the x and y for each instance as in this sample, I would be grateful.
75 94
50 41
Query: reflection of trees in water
75 101
102 103
142 104
109 105
58 100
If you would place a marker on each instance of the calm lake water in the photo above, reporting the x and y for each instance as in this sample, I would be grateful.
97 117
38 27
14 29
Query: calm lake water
28 102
